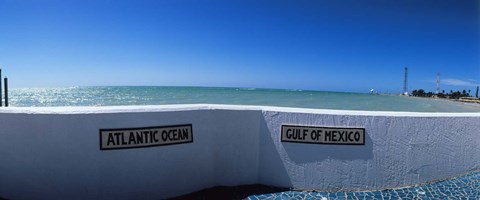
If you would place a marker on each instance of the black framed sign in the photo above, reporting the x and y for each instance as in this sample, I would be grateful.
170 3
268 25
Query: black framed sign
323 135
145 136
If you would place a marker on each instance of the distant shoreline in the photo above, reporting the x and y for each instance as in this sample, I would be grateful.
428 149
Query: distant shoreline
460 101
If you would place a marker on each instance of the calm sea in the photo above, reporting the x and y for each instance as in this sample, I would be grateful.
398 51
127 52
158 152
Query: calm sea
113 96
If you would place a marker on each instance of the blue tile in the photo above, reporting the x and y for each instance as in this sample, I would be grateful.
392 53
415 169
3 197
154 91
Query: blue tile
463 187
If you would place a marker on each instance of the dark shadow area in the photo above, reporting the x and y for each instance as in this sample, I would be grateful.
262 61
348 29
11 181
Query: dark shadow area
233 192
271 167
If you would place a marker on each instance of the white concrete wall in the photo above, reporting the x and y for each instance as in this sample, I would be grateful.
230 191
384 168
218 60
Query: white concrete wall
54 153
399 151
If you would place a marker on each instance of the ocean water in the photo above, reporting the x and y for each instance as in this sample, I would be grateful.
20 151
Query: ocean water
150 95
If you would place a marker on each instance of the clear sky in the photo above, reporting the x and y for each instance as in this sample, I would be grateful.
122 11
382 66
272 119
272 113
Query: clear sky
344 45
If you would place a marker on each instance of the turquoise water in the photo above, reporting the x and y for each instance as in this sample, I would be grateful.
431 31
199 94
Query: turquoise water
112 96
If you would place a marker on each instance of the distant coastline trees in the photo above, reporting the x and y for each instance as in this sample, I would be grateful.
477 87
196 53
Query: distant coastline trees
451 95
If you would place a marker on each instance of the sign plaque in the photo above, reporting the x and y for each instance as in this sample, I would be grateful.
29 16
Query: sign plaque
323 135
145 137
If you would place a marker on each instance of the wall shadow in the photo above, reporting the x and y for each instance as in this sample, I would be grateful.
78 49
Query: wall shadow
285 164
307 153
272 169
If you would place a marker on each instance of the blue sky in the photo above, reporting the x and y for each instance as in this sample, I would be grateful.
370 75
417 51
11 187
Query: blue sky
345 45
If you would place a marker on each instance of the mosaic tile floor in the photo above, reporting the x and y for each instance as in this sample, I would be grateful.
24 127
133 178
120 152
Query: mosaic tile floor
462 187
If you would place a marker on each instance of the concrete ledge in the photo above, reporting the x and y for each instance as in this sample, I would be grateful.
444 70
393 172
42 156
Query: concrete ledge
53 153
183 107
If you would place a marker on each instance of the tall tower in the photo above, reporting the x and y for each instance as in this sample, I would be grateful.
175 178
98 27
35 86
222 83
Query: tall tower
405 82
438 83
